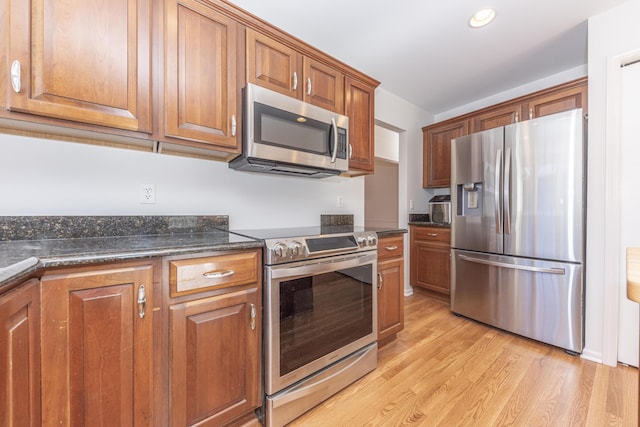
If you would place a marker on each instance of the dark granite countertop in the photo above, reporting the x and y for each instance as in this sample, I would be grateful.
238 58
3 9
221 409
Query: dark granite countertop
21 258
29 245
429 224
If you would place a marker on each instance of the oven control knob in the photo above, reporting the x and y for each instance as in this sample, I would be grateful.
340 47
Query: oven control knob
279 250
295 249
362 241
371 240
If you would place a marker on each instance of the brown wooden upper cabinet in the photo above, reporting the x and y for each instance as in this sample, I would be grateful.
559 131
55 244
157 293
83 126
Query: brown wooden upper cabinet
278 67
359 109
436 153
81 61
437 137
201 78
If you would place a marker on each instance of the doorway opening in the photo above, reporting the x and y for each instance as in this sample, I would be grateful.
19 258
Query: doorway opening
381 190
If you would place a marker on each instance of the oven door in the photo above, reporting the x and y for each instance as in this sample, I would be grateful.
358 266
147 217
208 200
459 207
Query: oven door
317 312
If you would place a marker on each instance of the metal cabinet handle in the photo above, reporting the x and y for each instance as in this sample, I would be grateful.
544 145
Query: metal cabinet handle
517 117
16 79
391 248
530 113
350 151
233 125
253 317
217 274
432 234
309 86
295 80
142 301
379 280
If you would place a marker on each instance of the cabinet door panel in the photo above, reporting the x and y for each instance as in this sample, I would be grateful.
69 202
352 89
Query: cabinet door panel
562 99
390 298
432 267
359 108
83 62
326 86
97 351
215 353
437 152
201 74
272 65
496 117
20 356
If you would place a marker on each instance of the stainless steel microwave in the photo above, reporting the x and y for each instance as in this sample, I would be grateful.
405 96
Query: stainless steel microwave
284 135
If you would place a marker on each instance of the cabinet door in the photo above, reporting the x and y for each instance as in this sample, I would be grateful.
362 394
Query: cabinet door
201 97
495 117
323 86
437 152
97 347
20 356
215 350
86 61
359 107
430 265
561 99
390 298
273 65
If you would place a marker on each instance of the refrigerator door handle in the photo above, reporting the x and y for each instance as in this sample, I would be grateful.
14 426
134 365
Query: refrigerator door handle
497 192
507 191
513 266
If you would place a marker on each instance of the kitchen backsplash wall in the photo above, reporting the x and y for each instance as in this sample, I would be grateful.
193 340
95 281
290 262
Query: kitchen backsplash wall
45 177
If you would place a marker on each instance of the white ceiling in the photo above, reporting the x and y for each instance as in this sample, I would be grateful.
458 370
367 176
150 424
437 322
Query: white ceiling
424 51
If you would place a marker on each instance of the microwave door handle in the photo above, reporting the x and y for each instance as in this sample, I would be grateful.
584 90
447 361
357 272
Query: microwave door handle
335 139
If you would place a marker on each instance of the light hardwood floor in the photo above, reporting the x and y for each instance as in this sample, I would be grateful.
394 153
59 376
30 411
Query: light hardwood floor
445 370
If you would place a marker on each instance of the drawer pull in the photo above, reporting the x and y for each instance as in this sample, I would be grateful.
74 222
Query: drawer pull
142 301
16 82
432 234
391 248
379 280
253 317
218 274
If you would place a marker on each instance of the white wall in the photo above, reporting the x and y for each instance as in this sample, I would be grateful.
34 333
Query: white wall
612 33
407 119
44 177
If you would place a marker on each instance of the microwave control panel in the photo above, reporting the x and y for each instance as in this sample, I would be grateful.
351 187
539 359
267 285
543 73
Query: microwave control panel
342 143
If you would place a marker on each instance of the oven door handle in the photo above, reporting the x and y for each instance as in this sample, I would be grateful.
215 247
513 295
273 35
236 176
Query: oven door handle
323 265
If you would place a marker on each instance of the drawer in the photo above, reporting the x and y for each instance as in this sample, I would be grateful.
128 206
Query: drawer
390 247
222 271
436 234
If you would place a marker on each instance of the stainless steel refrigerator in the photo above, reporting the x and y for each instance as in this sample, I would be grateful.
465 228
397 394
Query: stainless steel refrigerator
518 198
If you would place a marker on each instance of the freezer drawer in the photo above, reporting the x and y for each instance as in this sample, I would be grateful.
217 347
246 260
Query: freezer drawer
541 300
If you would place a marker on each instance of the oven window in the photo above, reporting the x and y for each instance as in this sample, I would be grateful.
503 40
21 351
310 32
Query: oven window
322 313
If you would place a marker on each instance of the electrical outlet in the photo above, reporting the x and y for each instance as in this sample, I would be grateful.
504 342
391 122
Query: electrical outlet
410 204
339 202
148 193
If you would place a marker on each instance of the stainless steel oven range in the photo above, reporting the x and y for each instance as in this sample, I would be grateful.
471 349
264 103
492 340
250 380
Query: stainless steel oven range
320 316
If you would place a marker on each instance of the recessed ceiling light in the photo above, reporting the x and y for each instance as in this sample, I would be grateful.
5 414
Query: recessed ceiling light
482 18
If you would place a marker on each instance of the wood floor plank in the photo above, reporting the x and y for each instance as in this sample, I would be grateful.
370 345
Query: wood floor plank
445 370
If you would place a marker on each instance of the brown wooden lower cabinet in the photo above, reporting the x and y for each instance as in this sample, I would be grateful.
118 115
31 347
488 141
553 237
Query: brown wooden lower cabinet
215 358
390 287
215 337
20 356
112 344
97 358
430 262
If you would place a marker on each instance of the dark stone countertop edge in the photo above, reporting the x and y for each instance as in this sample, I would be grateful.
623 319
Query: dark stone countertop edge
390 231
429 224
15 273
